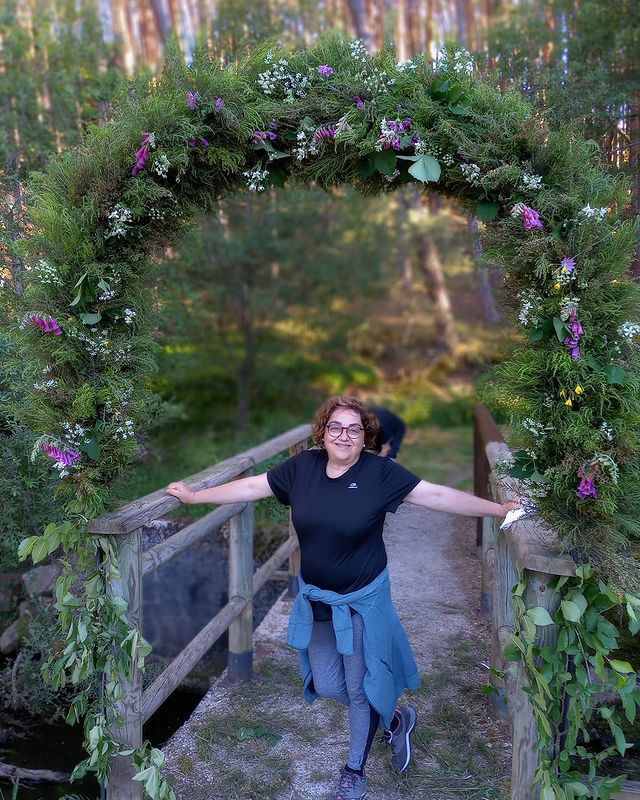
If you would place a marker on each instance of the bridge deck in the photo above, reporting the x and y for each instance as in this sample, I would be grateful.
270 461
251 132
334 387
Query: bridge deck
228 748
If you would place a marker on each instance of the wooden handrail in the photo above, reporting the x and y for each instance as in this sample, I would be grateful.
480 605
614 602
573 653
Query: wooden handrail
137 513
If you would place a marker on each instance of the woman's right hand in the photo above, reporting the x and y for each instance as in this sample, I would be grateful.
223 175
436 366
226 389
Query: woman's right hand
182 491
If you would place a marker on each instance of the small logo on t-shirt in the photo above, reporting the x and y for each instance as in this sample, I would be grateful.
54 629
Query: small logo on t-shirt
352 486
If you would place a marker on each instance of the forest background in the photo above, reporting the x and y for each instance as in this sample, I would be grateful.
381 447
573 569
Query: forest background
281 298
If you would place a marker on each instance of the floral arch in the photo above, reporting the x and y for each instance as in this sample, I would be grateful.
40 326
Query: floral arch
554 219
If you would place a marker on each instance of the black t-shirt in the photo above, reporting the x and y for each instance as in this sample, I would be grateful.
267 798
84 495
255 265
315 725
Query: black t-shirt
339 520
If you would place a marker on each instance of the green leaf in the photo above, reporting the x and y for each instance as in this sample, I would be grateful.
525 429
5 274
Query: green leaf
425 169
385 161
623 667
511 652
277 178
366 168
81 293
560 329
615 374
40 549
459 110
486 210
90 319
579 789
26 546
91 448
454 93
570 610
539 615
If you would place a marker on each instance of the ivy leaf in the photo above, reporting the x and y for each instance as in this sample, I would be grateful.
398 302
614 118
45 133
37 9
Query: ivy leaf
623 667
486 210
615 374
570 611
560 329
539 615
425 169
385 161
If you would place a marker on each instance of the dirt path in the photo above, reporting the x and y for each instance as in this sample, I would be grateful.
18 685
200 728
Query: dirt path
262 741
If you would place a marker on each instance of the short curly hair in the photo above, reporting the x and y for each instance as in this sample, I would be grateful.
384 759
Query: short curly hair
323 414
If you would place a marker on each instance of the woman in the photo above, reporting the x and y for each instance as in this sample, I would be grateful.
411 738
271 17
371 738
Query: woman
352 645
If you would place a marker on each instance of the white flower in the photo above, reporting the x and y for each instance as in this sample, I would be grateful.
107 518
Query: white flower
119 218
124 431
279 79
255 179
607 430
471 173
568 305
594 213
529 305
377 81
47 273
161 165
629 330
403 66
531 181
358 50
129 315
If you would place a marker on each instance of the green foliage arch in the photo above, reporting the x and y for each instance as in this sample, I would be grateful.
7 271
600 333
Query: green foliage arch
554 219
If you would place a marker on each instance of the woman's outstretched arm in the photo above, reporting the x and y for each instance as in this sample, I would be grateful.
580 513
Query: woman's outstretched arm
256 487
443 498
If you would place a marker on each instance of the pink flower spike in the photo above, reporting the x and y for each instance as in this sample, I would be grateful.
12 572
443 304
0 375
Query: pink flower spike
192 99
530 218
219 103
326 70
46 324
359 102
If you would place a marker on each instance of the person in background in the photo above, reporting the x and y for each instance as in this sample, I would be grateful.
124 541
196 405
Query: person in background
391 433
353 648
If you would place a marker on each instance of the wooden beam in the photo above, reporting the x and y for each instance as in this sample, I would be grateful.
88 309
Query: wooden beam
173 545
169 680
140 512
269 569
125 719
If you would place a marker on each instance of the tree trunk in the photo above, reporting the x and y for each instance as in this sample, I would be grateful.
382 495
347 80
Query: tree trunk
634 159
429 263
358 17
403 45
491 313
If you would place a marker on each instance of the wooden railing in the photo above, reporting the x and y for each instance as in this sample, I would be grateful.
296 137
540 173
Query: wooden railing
536 550
237 616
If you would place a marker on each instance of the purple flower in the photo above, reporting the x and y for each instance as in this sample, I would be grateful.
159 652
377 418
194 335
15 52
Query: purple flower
326 132
530 218
219 103
587 486
192 99
359 102
568 264
65 457
262 136
576 331
326 70
46 324
204 142
142 155
191 141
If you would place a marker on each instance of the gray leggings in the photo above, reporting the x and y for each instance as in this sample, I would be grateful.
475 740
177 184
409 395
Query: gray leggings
341 678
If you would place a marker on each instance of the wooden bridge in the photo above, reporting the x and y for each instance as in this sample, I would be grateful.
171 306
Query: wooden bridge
527 547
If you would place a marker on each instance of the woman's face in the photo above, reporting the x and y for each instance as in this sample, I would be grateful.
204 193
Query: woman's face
342 448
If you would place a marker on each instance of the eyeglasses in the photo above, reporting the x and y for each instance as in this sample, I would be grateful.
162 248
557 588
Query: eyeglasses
335 429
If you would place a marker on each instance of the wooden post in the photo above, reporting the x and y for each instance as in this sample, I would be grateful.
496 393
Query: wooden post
505 578
526 754
480 468
294 558
488 542
129 587
241 585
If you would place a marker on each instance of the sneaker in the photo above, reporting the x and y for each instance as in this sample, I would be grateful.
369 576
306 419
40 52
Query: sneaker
351 786
400 738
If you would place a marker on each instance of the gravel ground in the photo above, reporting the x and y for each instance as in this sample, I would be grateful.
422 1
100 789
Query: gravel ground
224 751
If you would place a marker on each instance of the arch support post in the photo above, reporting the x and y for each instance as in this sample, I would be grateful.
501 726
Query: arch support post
240 660
129 587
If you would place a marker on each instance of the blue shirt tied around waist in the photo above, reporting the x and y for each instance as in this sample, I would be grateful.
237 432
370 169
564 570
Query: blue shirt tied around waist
391 667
